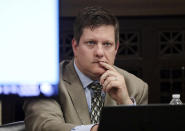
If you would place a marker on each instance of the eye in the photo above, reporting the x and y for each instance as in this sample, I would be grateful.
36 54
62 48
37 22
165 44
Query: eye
91 42
107 44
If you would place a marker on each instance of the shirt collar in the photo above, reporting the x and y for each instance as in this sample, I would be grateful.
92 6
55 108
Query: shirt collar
83 78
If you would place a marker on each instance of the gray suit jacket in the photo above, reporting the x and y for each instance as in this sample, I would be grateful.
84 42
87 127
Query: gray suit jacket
71 109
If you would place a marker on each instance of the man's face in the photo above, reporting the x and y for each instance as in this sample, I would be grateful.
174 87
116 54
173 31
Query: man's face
95 45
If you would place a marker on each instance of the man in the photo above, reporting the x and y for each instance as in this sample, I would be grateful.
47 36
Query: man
95 44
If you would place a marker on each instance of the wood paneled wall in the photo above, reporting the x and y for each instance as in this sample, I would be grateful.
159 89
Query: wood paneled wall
127 7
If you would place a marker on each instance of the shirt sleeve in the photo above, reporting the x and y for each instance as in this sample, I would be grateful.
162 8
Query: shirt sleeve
83 128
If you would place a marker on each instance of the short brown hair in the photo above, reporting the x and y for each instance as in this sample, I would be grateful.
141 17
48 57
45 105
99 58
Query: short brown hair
93 17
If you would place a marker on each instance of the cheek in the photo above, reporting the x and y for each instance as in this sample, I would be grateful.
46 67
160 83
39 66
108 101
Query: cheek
111 56
84 55
80 52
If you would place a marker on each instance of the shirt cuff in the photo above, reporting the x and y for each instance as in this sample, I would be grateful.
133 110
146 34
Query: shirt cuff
133 101
83 128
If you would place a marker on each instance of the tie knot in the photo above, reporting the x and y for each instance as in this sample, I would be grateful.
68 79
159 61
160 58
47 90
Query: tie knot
96 87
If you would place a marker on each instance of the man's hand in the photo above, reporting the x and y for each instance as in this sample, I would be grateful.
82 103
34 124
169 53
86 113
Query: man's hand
94 128
114 84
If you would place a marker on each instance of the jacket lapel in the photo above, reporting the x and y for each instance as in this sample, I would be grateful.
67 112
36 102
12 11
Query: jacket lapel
77 93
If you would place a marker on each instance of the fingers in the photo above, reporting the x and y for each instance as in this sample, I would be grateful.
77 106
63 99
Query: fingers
114 83
108 80
109 83
107 74
107 66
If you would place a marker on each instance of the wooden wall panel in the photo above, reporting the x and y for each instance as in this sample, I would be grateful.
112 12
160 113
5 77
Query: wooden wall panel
127 7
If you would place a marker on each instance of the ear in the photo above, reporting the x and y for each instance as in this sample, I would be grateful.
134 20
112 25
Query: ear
74 46
117 47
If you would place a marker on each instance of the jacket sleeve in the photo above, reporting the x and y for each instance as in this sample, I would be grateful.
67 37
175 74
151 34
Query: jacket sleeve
144 95
44 115
137 88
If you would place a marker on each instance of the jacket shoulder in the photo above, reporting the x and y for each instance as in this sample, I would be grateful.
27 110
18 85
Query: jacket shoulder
128 75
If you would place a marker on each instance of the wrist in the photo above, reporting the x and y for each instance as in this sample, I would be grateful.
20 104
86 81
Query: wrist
127 101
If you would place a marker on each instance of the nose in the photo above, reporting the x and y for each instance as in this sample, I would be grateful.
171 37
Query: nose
99 52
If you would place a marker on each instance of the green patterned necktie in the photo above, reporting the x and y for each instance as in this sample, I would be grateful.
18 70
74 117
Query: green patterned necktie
96 102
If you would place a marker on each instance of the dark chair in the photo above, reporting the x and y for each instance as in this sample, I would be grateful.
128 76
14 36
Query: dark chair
14 126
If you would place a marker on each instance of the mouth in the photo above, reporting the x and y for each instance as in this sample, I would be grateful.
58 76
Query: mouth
99 61
99 65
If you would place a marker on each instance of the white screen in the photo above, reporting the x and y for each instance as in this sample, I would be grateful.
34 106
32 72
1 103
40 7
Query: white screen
29 42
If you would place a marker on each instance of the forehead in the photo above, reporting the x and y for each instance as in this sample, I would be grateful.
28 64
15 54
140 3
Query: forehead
100 32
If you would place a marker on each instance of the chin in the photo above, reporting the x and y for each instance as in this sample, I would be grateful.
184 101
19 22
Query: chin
99 72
